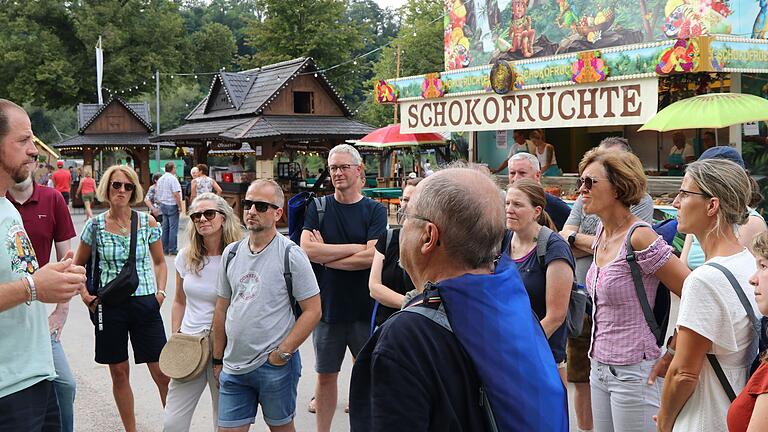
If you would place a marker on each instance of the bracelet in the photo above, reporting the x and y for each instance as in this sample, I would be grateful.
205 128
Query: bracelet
217 361
162 292
31 289
670 351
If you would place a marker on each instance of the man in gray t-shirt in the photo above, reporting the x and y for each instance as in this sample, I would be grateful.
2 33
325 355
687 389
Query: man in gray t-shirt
256 337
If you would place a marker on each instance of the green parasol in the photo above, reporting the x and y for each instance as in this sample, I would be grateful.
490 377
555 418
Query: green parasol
710 111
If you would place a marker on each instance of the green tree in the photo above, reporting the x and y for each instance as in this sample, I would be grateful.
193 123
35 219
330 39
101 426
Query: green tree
213 47
420 40
47 54
319 29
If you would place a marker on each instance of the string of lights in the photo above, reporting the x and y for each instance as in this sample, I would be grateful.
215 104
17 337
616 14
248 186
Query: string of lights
354 61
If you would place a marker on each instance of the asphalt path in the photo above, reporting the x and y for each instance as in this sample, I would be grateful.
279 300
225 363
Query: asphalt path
95 409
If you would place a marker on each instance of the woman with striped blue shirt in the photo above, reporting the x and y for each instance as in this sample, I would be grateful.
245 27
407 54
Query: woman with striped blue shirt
139 316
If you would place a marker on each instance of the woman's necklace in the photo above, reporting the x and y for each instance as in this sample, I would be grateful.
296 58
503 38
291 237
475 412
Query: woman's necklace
123 228
607 241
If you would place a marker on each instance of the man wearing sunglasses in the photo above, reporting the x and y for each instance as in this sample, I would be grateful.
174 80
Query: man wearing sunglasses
342 248
256 340
525 165
168 195
27 397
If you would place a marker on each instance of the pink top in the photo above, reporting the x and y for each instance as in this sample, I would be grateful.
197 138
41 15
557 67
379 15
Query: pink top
620 335
88 185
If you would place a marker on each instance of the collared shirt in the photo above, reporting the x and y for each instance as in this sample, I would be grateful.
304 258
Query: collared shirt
620 334
46 220
114 251
166 186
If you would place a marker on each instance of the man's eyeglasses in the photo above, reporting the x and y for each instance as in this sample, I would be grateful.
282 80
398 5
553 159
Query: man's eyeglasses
129 187
208 214
345 167
261 206
588 182
682 193
407 216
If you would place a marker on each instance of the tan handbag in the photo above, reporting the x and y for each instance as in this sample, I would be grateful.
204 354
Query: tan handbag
185 357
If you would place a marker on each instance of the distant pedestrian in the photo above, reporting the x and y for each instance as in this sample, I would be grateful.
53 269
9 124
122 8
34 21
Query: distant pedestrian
256 335
48 222
151 199
168 195
62 180
202 183
139 315
87 190
213 225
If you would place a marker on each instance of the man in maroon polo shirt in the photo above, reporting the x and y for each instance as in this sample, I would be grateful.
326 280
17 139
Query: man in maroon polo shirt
47 221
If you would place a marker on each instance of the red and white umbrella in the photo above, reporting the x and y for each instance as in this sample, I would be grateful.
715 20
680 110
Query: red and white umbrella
391 138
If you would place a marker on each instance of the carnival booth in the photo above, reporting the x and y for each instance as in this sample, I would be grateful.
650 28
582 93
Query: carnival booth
580 71
284 109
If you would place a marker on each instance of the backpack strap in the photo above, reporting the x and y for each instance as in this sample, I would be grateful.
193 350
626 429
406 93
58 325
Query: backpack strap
756 326
288 276
541 245
231 254
637 279
389 240
439 317
320 204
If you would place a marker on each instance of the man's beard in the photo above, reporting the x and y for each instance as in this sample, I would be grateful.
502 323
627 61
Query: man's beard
256 227
24 184
18 173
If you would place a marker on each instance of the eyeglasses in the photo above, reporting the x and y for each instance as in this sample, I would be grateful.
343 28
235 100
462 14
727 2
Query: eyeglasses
345 167
208 214
407 216
261 206
129 187
588 182
684 193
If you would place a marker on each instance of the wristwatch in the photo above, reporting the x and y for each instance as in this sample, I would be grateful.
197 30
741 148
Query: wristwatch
217 361
284 356
572 239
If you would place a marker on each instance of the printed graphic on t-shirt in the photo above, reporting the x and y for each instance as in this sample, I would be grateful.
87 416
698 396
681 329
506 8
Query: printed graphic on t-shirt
250 287
20 250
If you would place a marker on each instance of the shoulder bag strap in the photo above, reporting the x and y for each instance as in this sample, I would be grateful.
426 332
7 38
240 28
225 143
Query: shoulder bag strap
637 279
134 237
755 327
94 255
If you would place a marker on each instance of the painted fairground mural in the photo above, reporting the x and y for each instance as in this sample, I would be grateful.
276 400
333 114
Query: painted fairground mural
482 31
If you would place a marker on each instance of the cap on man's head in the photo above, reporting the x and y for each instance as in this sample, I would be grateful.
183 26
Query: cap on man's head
412 175
723 152
60 164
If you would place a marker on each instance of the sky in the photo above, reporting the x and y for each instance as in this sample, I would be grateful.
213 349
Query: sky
391 3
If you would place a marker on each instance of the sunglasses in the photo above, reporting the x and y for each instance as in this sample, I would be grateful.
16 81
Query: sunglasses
208 214
588 182
261 206
129 187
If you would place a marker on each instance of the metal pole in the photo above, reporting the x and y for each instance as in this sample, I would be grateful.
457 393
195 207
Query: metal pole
157 110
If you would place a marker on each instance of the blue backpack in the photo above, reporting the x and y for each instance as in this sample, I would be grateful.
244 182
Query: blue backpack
297 209
520 386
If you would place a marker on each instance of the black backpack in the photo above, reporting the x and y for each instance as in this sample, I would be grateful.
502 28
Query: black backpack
287 275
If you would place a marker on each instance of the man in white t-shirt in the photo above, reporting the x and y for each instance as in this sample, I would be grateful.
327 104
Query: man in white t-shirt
168 195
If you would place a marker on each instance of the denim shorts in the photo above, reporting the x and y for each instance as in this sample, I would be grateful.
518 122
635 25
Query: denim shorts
272 387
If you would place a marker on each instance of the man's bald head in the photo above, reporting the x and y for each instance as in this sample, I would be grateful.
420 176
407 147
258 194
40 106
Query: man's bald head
5 107
465 205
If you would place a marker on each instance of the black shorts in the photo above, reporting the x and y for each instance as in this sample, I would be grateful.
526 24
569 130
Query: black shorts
66 197
138 317
33 409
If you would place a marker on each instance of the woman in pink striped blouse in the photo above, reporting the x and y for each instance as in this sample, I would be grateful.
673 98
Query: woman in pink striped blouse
624 350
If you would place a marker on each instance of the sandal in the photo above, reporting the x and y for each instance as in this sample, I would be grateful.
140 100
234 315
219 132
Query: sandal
311 407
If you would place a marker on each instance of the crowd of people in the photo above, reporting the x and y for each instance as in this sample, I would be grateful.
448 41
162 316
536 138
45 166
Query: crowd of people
455 317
